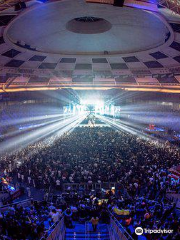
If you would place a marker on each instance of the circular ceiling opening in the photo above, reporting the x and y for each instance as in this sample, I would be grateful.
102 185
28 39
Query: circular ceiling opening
88 25
88 19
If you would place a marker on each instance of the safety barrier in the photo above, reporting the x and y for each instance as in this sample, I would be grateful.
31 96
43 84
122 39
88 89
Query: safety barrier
57 231
86 186
117 231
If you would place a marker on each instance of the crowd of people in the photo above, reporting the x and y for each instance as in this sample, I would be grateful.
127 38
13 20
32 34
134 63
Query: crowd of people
101 154
88 154
30 222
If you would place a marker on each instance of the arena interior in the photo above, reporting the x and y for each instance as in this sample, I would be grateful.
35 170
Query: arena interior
90 119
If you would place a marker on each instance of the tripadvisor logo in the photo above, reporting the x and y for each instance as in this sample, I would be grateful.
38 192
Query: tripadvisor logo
139 231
